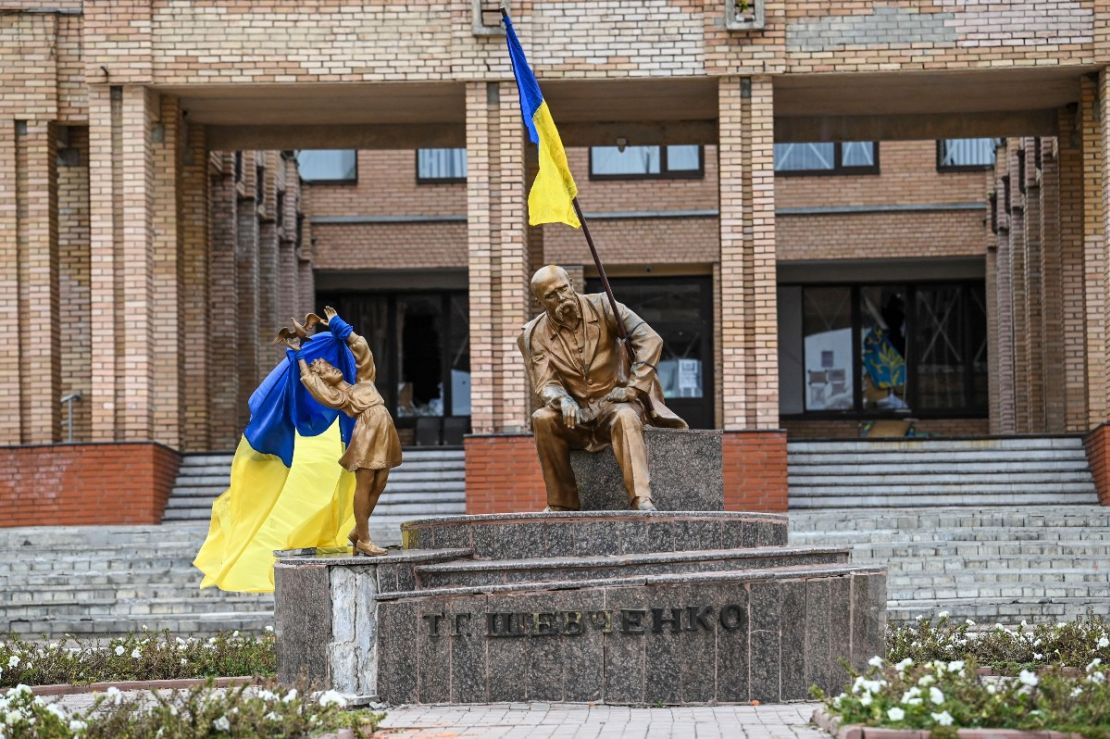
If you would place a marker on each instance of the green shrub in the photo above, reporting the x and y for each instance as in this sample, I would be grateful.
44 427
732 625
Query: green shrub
1072 644
138 656
188 714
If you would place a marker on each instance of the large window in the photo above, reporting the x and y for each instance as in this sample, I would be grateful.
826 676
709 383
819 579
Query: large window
888 349
440 165
680 310
646 162
956 155
848 157
328 165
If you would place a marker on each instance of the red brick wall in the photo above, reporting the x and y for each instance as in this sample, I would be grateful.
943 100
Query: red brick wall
503 474
85 484
754 470
1098 455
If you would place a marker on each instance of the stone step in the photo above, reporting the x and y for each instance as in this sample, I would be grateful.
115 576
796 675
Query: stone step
92 607
868 478
530 535
832 467
1005 610
907 519
870 500
970 456
188 624
947 445
466 573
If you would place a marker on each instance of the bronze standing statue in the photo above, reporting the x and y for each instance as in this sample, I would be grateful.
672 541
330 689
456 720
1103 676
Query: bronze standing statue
592 397
374 447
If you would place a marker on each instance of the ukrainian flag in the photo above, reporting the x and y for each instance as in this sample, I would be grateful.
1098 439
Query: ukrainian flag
554 188
287 489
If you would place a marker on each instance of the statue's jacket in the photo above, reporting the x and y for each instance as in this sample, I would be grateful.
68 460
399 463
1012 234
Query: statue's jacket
554 374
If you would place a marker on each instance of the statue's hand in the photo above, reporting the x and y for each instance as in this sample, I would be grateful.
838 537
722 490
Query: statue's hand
288 337
621 394
570 412
330 312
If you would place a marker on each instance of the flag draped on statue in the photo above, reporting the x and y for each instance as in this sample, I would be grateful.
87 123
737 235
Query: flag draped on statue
553 192
287 489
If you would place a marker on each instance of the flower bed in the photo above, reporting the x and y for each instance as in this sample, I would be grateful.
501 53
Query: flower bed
139 656
202 712
943 696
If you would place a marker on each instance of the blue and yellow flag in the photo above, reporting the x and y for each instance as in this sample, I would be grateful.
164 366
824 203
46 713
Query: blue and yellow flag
554 188
287 489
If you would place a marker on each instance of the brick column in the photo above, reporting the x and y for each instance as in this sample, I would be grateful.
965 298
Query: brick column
37 239
1034 286
749 343
1018 291
1093 130
247 287
11 429
1072 306
167 399
498 255
73 276
754 453
1052 324
195 296
1002 344
223 354
122 261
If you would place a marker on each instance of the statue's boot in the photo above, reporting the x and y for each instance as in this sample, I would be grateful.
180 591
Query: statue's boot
367 548
642 504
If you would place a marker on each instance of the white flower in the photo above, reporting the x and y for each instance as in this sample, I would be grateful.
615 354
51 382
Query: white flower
119 650
234 634
173 710
875 661
944 718
865 699
969 622
1077 692
221 724
912 697
901 666
1094 663
1028 678
13 661
896 714
77 726
942 614
992 688
184 662
1096 677
114 695
919 617
266 695
935 695
57 710
270 628
332 698
271 716
1038 656
926 680
1103 643
135 654
956 666
290 696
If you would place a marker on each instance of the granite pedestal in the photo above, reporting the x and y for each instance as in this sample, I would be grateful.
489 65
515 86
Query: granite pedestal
685 468
609 606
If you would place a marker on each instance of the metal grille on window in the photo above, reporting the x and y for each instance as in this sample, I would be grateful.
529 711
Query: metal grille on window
967 152
441 164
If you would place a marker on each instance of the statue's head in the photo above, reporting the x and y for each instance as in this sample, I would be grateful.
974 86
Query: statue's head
551 286
326 371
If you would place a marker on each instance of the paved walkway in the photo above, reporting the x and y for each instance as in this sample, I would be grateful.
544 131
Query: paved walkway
538 720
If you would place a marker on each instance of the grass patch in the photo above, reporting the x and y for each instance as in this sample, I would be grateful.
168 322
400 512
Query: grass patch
138 656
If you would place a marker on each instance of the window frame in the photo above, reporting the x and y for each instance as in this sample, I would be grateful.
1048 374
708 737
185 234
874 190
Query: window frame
353 180
663 174
912 358
436 180
838 170
944 168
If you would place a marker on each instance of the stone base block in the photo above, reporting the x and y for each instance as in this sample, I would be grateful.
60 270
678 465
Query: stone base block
671 639
524 535
685 468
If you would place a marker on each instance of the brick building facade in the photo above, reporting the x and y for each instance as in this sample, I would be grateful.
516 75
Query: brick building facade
155 227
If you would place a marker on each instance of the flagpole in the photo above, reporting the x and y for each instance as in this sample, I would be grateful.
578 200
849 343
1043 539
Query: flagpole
604 278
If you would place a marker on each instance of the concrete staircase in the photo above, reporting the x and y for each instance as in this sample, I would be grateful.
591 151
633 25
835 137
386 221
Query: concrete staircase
104 580
993 564
928 472
431 482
